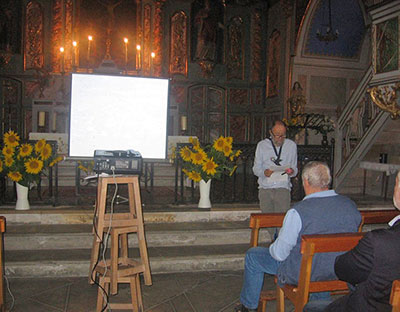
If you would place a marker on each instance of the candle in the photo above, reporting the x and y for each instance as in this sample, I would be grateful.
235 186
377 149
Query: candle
183 123
54 122
138 61
42 119
126 51
62 59
90 38
152 56
74 56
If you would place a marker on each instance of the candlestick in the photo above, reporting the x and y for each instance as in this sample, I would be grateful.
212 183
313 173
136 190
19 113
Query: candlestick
152 56
183 123
54 128
62 59
126 51
42 119
138 60
74 56
90 38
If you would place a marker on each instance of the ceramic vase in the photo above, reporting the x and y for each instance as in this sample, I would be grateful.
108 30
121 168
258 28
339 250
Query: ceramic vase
22 198
205 187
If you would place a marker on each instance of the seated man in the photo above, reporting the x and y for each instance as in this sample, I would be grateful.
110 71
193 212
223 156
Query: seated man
371 267
322 211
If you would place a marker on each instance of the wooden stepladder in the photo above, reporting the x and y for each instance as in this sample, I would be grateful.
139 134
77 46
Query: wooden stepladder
119 268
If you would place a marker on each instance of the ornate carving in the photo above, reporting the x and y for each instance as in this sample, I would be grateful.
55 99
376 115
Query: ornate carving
287 7
158 36
386 98
68 28
33 57
238 98
273 66
178 93
238 127
256 46
235 49
178 54
147 39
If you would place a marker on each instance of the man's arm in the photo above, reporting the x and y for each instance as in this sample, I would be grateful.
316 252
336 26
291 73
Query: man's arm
287 239
293 162
258 168
355 265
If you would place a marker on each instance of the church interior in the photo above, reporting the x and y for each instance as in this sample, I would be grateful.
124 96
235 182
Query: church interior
330 69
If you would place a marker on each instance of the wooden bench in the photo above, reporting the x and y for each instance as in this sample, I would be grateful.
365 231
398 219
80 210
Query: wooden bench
271 220
395 296
311 245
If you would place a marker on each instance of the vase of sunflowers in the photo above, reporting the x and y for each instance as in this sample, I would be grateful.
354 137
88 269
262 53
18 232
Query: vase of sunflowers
24 163
204 163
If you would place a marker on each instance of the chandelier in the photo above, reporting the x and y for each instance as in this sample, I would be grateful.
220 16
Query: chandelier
329 35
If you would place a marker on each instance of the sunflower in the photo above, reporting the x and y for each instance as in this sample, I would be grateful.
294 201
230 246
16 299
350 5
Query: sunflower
1 165
199 157
33 165
8 151
46 151
229 140
233 156
56 160
219 144
185 153
185 172
210 167
25 150
195 142
15 176
8 161
227 149
11 139
39 145
195 176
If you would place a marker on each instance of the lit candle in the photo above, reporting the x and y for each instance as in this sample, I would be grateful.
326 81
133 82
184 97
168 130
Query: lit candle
62 59
126 50
90 38
54 122
42 119
74 56
152 56
138 61
183 123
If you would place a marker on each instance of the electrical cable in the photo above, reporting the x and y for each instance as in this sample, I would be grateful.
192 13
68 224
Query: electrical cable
9 291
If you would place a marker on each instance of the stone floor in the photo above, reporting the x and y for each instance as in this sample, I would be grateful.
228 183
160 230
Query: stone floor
183 292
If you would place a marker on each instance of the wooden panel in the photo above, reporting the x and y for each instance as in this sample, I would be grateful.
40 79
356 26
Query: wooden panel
178 49
238 128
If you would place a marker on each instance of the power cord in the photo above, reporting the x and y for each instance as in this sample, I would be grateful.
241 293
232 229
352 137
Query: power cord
9 291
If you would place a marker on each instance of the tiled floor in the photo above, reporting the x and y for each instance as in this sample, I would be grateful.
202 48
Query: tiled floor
184 292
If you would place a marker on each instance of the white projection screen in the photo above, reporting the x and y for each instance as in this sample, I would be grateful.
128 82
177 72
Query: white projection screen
118 113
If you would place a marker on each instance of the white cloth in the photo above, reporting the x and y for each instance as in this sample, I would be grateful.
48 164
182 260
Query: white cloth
388 168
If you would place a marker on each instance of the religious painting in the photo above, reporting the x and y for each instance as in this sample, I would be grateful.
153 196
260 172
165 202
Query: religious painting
387 46
178 49
10 26
235 50
108 22
207 37
273 65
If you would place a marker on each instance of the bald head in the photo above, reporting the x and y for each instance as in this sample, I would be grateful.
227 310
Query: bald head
278 133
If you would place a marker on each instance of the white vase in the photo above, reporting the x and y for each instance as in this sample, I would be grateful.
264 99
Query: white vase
22 198
205 187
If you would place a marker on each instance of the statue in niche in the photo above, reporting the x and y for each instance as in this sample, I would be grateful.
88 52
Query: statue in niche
297 101
207 34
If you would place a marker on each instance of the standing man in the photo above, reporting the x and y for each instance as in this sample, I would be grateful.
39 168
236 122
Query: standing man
322 211
275 162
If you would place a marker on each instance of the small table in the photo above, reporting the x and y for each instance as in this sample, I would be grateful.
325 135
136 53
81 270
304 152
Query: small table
389 169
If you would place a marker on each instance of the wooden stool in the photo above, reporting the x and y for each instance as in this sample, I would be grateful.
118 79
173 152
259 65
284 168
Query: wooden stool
121 224
136 295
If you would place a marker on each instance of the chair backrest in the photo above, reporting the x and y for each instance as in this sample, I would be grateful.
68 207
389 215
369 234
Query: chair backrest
321 243
395 296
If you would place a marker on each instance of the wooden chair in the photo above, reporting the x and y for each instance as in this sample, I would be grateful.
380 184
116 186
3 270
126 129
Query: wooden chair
2 297
395 296
311 245
271 220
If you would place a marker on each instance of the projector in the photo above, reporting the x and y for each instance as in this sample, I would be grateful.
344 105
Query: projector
118 162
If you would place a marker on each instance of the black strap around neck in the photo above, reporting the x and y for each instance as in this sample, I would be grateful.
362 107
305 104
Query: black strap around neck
278 154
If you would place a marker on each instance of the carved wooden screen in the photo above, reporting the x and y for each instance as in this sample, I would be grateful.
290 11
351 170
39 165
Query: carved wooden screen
11 107
207 112
33 56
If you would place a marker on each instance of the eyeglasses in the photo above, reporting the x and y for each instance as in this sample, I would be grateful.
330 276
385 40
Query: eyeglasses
278 136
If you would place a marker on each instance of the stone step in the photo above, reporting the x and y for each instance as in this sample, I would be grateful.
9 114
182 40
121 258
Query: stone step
75 262
58 237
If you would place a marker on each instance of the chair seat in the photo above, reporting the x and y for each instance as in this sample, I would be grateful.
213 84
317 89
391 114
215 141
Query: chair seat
316 305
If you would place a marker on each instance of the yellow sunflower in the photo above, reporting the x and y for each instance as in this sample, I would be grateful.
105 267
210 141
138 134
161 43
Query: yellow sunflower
1 165
39 145
227 149
233 156
8 161
185 172
199 157
229 140
219 144
195 176
46 151
210 167
33 165
56 160
15 176
25 150
8 151
185 153
194 142
11 139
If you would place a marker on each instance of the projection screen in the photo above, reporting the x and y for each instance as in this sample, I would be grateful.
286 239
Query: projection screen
118 113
